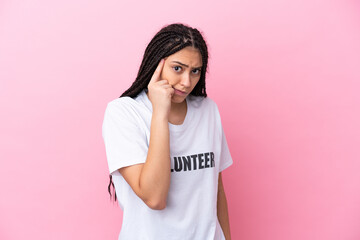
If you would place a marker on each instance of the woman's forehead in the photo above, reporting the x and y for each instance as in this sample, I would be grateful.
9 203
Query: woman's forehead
189 56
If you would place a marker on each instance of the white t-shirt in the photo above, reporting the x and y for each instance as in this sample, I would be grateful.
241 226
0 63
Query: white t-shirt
198 151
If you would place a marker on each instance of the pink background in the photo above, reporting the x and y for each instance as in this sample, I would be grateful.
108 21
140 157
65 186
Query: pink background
285 75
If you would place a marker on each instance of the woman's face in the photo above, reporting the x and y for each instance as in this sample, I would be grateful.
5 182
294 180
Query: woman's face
182 70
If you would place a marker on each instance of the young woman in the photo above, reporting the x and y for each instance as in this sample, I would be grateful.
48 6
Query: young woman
166 147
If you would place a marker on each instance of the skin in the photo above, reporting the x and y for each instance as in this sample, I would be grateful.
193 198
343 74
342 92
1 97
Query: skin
182 78
151 180
185 78
222 210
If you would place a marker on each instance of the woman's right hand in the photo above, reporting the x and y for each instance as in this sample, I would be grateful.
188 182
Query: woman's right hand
160 92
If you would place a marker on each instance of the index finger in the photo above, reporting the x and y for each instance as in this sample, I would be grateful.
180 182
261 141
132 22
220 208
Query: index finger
156 75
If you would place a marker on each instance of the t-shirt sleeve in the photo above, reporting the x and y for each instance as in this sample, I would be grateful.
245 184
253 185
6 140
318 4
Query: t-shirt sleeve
225 156
125 142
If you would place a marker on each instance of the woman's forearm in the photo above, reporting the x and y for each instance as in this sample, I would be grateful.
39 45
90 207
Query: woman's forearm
222 210
155 175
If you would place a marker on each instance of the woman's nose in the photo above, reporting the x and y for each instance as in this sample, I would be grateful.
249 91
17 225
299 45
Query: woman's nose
185 80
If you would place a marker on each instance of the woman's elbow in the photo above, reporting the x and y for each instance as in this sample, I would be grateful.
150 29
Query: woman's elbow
156 205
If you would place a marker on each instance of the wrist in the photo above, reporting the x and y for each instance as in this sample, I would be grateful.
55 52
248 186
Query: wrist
160 116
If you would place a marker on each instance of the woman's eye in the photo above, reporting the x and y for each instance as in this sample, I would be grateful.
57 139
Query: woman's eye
176 68
196 71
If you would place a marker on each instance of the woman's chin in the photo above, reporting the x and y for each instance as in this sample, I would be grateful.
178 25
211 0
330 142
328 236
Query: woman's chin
177 99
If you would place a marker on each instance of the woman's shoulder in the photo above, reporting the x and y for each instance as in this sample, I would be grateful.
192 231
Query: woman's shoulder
120 103
203 102
123 106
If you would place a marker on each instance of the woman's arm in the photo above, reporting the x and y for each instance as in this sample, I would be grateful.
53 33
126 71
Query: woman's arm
222 210
151 180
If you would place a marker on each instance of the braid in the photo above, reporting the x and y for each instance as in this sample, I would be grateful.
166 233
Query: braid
169 40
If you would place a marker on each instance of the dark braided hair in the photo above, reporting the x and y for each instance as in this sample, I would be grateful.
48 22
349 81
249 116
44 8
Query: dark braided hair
169 40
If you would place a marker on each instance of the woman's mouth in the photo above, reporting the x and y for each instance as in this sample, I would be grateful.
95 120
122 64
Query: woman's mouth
180 93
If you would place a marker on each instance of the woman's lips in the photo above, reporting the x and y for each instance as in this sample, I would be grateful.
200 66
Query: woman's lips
178 92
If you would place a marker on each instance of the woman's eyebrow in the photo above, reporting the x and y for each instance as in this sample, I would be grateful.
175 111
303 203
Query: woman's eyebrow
184 64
